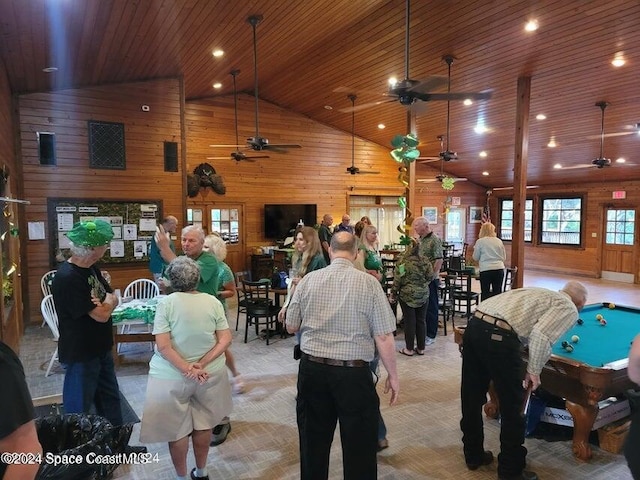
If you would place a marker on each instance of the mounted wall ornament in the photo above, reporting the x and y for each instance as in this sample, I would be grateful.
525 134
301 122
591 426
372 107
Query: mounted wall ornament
404 152
203 176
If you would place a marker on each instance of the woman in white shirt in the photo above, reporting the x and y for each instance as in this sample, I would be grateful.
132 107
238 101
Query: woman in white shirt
490 255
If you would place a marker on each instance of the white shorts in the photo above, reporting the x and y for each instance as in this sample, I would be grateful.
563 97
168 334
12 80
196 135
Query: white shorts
175 408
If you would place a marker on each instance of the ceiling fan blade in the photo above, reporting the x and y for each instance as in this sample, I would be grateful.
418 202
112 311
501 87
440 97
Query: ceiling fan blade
453 96
426 85
511 188
607 135
365 106
282 145
228 146
427 159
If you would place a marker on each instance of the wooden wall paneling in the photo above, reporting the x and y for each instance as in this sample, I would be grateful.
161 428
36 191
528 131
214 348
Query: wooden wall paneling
66 114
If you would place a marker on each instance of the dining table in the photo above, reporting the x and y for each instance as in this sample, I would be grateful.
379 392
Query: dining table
133 312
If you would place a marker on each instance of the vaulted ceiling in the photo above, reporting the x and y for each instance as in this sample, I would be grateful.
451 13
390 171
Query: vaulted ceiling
313 53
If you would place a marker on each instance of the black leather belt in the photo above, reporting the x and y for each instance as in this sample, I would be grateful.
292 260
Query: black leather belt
492 320
336 363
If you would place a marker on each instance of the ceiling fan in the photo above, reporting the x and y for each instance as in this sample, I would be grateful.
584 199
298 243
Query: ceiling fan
257 142
601 161
353 169
408 91
238 155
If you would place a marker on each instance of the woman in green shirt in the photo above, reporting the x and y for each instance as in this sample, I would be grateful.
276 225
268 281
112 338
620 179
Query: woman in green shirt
368 255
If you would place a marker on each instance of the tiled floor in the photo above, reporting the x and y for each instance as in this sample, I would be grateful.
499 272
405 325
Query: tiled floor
424 436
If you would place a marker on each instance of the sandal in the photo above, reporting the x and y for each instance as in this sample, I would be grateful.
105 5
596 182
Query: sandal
419 352
406 352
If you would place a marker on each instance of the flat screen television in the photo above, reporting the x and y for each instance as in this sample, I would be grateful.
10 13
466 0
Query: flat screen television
281 220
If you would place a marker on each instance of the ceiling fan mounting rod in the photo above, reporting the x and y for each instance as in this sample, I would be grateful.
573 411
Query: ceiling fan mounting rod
353 97
234 73
406 40
254 20
449 59
602 104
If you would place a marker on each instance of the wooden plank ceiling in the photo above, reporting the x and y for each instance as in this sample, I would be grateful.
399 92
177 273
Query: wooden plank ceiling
311 53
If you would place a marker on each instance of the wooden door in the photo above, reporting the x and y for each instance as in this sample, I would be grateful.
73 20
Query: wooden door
619 244
227 219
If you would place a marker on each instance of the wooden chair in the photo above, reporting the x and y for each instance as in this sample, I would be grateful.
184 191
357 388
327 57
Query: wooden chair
509 278
260 310
389 266
140 289
461 292
48 310
445 302
242 303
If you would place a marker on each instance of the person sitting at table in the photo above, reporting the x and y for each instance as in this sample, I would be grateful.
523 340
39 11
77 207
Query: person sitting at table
344 225
491 352
84 302
411 287
188 391
368 255
307 257
216 246
490 254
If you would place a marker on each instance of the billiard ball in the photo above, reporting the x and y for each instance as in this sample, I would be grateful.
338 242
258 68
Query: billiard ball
599 317
569 348
580 321
603 322
565 344
575 338
612 306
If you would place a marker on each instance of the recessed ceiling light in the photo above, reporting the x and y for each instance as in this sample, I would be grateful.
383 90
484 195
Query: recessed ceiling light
468 102
393 81
618 60
328 107
217 85
482 154
382 126
480 129
541 116
621 160
218 53
552 142
557 166
531 26
50 69
485 173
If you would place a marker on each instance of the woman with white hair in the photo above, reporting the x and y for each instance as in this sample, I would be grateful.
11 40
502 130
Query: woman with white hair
188 390
216 246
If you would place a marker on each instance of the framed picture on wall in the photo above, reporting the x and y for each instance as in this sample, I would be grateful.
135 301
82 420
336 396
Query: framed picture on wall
475 214
431 214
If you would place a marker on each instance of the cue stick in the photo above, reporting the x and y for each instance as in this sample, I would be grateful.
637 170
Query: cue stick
527 401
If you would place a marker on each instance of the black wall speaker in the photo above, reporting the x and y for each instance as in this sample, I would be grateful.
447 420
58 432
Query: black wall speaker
47 148
170 156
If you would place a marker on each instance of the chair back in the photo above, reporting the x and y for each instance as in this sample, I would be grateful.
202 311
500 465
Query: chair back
48 310
45 282
509 278
141 289
256 295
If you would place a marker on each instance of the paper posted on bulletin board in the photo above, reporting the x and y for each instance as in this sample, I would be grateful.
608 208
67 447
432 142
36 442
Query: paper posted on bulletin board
133 224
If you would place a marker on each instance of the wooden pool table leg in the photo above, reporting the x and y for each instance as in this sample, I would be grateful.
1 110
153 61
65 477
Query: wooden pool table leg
583 418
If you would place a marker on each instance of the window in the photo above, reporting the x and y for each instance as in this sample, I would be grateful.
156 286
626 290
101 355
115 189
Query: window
384 212
506 220
225 222
561 221
454 228
620 227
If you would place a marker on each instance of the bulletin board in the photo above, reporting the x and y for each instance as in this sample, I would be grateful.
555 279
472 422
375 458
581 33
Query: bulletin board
133 223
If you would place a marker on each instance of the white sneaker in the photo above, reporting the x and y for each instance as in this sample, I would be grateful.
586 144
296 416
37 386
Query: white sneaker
238 385
429 341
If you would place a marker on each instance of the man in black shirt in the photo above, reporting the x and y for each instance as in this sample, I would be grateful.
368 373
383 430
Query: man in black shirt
84 302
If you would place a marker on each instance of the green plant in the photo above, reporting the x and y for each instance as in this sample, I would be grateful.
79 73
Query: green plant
7 288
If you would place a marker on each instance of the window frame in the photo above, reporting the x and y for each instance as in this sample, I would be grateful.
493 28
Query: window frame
500 226
582 220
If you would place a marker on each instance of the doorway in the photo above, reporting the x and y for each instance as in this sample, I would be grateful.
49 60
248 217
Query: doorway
619 250
227 219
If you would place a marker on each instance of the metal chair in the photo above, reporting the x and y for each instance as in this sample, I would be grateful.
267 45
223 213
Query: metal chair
48 310
45 285
260 309
509 278
242 303
445 302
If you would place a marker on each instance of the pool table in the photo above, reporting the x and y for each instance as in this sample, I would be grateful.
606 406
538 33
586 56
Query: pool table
596 369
